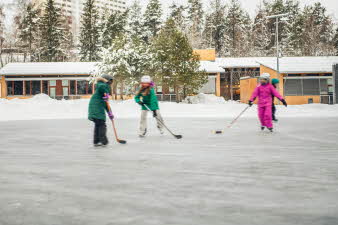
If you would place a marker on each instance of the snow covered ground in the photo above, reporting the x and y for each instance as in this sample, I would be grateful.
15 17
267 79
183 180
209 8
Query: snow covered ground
42 107
51 174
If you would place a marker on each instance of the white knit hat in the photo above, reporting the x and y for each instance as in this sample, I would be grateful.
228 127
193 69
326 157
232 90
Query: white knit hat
265 76
146 79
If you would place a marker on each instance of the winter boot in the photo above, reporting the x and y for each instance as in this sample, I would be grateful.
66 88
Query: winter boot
262 128
161 130
270 129
143 133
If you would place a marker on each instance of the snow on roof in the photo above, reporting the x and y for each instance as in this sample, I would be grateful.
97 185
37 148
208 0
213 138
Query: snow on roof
49 68
211 67
318 64
243 62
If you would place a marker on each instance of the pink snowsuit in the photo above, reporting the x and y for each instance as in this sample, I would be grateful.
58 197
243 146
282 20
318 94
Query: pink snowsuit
265 94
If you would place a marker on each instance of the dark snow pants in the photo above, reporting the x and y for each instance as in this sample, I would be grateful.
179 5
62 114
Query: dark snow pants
100 132
273 112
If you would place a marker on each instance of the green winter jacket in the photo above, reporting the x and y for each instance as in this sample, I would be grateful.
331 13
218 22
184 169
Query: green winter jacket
97 106
150 100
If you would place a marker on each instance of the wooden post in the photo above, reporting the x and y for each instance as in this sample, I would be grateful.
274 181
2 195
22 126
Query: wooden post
218 84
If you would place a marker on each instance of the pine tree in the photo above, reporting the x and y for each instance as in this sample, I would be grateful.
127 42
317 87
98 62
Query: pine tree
127 60
196 18
177 14
51 33
28 30
174 63
113 26
90 33
152 19
335 41
238 29
135 21
318 32
261 33
214 31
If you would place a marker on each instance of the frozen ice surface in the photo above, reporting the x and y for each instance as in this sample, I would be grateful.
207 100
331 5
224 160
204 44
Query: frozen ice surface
50 173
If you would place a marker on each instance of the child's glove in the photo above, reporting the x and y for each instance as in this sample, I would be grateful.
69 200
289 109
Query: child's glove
141 103
284 103
106 97
250 103
110 115
154 113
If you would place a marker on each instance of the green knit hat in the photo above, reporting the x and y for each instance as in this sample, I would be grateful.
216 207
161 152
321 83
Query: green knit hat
274 81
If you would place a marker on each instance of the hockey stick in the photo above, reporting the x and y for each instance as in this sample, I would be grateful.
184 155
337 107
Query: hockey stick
162 123
115 132
234 121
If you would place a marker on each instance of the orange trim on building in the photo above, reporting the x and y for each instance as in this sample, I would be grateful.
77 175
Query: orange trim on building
206 54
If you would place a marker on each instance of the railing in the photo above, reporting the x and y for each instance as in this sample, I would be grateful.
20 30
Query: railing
166 97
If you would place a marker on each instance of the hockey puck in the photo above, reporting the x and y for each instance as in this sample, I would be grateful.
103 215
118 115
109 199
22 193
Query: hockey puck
218 132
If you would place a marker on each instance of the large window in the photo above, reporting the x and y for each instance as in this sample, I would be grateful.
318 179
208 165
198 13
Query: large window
45 87
36 87
84 88
72 87
304 87
15 87
28 87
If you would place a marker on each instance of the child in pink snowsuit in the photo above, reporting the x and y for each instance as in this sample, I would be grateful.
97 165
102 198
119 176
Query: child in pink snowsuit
265 92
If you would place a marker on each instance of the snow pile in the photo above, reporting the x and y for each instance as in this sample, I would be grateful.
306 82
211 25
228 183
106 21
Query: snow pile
43 107
204 99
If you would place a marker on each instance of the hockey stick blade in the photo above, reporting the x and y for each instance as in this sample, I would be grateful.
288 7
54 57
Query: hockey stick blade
178 136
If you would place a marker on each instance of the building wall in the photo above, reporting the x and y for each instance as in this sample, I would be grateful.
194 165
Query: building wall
247 86
206 54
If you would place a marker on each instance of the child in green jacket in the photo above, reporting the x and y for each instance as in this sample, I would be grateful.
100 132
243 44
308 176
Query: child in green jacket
147 98
97 109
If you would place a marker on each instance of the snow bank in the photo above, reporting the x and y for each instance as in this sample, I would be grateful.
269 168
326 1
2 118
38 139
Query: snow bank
43 107
204 99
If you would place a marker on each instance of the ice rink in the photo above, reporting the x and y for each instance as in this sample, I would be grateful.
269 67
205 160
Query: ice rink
51 174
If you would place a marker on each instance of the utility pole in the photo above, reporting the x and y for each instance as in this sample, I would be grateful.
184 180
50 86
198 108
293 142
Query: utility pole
277 17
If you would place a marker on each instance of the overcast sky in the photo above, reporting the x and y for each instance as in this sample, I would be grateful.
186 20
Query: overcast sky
251 5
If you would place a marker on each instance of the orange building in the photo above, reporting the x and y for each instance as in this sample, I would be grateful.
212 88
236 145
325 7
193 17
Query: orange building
303 80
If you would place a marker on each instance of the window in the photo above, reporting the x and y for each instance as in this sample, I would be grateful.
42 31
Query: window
82 87
90 88
324 86
45 87
311 87
28 87
293 87
10 87
72 90
36 87
18 87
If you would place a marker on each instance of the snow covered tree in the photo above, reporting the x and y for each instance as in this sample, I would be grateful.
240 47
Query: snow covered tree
196 18
174 63
127 60
2 38
177 14
261 34
214 31
335 41
238 30
51 33
112 27
28 30
152 19
135 21
90 33
318 33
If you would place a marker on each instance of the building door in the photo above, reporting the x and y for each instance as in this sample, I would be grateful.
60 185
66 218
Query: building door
59 91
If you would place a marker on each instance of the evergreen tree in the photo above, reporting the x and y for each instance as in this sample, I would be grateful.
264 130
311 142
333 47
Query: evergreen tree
318 32
51 33
135 21
238 29
152 19
90 33
174 63
127 60
113 26
261 33
214 31
335 41
196 18
28 30
177 14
